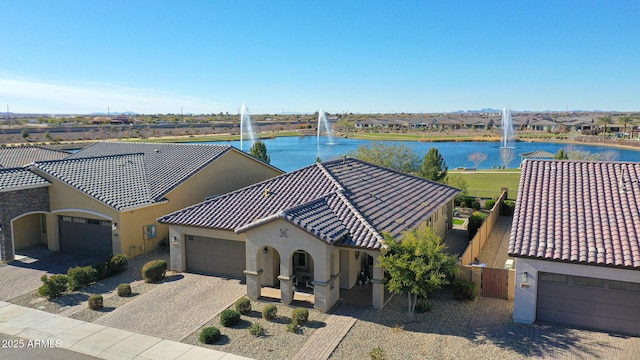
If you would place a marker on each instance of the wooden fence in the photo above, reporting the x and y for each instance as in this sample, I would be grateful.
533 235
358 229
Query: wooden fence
478 241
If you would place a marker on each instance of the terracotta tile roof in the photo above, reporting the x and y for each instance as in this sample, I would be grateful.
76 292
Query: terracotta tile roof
19 156
20 178
346 202
578 212
129 175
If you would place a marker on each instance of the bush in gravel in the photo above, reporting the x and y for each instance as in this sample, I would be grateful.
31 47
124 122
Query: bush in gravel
154 270
423 306
53 286
209 335
377 354
465 290
489 204
256 329
102 270
243 306
475 204
292 328
96 302
81 277
118 264
229 318
300 316
269 312
124 290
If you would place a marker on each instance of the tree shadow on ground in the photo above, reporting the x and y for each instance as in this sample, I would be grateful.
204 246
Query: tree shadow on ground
243 324
71 299
172 278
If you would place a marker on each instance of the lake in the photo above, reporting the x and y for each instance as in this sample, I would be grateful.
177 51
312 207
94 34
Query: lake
291 153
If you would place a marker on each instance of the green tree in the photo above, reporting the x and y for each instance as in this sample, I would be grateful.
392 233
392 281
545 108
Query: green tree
417 264
433 166
626 120
397 157
604 121
25 134
561 155
458 181
259 151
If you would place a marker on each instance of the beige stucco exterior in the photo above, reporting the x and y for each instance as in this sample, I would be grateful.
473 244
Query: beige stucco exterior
231 171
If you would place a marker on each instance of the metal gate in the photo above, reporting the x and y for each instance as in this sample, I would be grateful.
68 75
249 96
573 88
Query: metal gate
494 283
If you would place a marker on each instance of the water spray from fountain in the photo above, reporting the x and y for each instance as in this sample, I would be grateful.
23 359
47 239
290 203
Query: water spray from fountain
322 121
245 125
508 135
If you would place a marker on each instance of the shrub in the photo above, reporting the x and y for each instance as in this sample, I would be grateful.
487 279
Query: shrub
102 270
229 318
465 290
124 290
508 207
300 316
377 354
423 306
53 286
475 204
81 277
96 302
269 312
243 305
118 264
475 221
209 335
292 328
489 204
256 329
154 270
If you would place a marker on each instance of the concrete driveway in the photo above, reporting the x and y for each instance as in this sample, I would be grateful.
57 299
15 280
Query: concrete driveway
23 275
178 307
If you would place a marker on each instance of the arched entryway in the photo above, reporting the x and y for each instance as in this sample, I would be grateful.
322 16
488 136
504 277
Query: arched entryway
302 267
269 261
29 230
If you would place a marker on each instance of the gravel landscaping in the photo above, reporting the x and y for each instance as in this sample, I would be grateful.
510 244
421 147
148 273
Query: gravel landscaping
442 333
277 343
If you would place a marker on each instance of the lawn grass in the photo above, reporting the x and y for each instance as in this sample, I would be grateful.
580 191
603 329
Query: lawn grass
485 182
458 221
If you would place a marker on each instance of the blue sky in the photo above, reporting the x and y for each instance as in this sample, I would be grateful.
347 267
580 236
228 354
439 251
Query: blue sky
301 56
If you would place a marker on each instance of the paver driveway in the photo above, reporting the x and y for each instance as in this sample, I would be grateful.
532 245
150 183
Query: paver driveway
178 307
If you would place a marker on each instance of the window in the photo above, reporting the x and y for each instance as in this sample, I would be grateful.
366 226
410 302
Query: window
587 281
624 285
66 218
300 260
105 223
79 220
93 221
559 278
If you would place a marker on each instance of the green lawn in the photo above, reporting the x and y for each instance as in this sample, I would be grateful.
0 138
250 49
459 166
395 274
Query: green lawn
487 182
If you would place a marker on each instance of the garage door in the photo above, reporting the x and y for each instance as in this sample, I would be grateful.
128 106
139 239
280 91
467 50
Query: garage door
215 256
608 305
88 237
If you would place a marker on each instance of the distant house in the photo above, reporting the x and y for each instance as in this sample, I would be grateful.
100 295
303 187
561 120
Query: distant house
536 155
320 228
105 199
576 237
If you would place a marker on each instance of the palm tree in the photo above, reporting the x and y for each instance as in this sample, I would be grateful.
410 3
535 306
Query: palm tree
626 120
605 120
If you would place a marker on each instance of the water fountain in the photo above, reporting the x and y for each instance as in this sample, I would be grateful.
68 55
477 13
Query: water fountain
322 121
245 125
508 135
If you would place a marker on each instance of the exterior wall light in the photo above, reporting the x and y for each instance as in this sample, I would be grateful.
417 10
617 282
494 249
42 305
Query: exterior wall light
114 226
174 240
265 250
525 278
357 255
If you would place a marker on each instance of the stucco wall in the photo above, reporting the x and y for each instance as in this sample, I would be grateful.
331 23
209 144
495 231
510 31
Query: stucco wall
524 305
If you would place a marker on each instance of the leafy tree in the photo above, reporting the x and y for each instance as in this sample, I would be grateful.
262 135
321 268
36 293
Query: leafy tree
458 181
433 166
604 120
626 120
561 155
25 134
477 158
417 264
259 151
397 157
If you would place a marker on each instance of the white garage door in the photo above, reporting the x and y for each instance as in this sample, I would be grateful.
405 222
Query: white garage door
602 304
215 256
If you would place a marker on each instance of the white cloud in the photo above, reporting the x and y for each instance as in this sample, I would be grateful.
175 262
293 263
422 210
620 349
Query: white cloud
26 95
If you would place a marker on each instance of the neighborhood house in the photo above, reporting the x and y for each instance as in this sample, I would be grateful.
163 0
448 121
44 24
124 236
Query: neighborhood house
319 229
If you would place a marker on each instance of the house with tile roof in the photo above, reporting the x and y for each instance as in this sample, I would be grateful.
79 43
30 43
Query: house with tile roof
320 228
576 237
105 199
19 156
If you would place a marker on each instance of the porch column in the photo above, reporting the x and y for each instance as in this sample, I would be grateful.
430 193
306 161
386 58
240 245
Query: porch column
377 291
252 273
322 295
286 281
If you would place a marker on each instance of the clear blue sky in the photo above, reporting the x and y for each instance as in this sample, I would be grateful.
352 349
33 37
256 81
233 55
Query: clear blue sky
300 56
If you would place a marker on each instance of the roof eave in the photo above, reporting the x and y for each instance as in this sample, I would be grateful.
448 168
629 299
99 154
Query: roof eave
23 187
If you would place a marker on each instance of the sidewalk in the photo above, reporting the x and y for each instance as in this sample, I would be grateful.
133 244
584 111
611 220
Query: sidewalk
96 340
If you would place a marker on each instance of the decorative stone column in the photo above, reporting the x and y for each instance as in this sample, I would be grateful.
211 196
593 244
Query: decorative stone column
322 295
377 282
254 285
286 289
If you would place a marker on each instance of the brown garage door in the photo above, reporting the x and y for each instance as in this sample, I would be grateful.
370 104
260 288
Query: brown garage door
589 302
215 256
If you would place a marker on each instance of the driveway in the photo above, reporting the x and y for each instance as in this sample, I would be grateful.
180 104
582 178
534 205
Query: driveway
23 275
178 307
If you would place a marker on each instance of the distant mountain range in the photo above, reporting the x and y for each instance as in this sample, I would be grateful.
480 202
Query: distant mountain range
128 113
